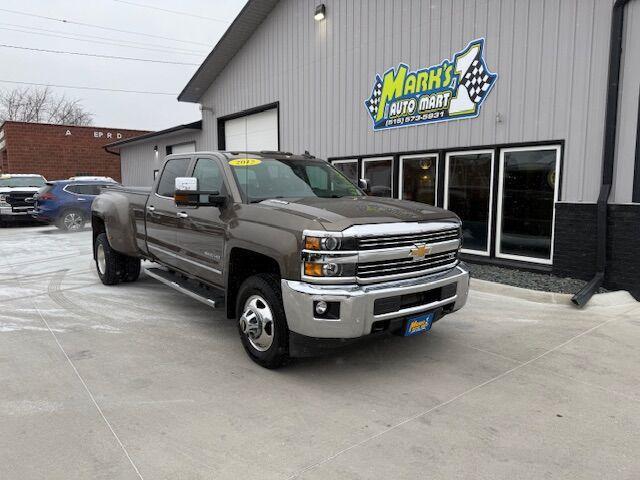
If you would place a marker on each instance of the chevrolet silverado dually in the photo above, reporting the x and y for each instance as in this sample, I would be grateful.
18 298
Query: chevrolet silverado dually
302 258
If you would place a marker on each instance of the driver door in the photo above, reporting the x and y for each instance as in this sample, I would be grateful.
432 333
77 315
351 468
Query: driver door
202 230
161 215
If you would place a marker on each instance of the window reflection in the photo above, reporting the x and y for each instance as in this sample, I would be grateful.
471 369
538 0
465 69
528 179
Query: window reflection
529 181
379 173
469 196
349 169
419 179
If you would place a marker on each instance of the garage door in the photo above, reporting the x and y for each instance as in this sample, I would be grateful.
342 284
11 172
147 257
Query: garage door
184 148
255 132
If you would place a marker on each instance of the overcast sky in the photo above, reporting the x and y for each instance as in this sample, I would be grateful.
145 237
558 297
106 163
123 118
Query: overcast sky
123 110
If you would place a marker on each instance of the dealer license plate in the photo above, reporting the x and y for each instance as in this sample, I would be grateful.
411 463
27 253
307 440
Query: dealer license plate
418 324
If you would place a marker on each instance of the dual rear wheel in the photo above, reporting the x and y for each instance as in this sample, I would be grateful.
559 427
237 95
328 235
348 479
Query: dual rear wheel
114 267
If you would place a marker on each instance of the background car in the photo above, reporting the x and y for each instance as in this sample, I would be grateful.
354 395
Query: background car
15 190
67 203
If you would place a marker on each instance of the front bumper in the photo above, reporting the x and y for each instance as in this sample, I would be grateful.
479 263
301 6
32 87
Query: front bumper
9 213
357 316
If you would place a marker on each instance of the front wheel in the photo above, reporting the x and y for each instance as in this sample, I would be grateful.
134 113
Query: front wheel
262 323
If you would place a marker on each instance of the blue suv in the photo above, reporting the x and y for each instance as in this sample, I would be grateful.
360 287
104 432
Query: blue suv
67 203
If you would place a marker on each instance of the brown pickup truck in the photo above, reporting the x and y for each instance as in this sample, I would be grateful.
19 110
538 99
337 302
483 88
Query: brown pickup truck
300 257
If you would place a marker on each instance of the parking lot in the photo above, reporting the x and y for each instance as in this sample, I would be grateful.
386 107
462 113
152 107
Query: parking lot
138 381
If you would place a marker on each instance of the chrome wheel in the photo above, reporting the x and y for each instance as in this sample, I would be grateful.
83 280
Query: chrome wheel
256 323
101 259
73 221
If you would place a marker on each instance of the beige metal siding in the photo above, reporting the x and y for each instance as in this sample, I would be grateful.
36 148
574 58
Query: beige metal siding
551 57
139 160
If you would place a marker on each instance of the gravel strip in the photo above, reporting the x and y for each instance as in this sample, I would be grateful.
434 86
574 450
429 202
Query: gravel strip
534 281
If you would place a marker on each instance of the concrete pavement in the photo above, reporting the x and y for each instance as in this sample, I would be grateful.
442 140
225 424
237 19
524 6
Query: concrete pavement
139 381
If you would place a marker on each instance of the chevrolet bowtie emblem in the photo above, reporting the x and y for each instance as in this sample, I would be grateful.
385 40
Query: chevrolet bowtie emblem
419 251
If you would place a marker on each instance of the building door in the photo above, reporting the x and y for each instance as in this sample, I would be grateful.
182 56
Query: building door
182 148
419 178
254 132
527 192
468 192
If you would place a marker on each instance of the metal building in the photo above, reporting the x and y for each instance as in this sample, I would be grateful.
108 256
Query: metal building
494 109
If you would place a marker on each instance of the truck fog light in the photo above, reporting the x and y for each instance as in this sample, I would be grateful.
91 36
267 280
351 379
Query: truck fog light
321 307
330 269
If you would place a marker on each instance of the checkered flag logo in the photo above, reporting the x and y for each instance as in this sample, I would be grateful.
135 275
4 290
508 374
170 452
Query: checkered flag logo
477 80
374 100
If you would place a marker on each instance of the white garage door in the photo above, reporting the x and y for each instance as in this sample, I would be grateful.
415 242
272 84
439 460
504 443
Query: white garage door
184 148
253 132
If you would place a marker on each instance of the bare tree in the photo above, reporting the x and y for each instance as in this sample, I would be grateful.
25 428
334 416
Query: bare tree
41 105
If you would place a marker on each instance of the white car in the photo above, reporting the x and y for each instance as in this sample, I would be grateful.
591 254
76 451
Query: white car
16 192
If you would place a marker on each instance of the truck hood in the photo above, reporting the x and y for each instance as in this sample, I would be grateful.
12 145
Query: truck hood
337 214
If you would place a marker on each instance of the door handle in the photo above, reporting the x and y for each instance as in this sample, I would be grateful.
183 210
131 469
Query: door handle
182 215
151 208
82 199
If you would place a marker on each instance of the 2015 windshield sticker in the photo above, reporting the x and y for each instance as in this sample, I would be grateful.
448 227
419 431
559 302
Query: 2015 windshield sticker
452 90
244 162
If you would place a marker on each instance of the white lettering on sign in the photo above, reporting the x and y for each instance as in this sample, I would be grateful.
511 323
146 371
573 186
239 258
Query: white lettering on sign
67 133
98 134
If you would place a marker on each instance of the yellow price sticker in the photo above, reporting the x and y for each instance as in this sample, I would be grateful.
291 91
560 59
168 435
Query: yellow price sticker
244 162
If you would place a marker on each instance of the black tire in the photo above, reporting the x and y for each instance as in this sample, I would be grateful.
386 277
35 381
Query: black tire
131 269
111 271
71 221
267 288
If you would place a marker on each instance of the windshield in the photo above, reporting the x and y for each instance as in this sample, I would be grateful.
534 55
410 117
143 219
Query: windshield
35 181
265 178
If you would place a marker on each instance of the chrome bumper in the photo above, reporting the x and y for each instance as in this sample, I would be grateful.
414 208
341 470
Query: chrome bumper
357 303
10 212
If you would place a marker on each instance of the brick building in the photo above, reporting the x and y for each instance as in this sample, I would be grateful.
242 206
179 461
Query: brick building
60 151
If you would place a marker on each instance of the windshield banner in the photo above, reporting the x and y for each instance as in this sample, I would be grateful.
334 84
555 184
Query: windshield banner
452 90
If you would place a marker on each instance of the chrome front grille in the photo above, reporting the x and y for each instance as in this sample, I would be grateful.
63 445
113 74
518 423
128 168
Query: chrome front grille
407 240
406 267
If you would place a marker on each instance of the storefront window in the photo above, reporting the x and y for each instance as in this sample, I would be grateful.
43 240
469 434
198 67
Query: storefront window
379 172
419 178
349 169
528 189
468 195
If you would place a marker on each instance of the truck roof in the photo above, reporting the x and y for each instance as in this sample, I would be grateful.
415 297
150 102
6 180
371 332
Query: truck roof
11 175
260 154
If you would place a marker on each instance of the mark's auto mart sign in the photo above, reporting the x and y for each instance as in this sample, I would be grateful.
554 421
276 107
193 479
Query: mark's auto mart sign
452 90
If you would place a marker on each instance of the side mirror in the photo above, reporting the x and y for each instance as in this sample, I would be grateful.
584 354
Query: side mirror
365 185
189 198
188 195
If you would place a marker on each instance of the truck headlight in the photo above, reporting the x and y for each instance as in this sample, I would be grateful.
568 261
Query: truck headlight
3 201
321 243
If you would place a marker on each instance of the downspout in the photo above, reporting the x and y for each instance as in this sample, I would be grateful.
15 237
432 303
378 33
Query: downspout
610 130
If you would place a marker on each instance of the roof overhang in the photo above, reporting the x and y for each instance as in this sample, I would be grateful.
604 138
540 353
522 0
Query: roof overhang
187 127
244 25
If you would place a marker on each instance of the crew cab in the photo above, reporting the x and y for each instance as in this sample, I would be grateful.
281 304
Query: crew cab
16 190
299 256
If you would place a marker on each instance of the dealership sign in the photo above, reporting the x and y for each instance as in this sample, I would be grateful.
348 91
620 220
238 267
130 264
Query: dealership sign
452 90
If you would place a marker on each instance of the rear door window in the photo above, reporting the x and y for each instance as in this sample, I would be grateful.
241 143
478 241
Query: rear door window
173 169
